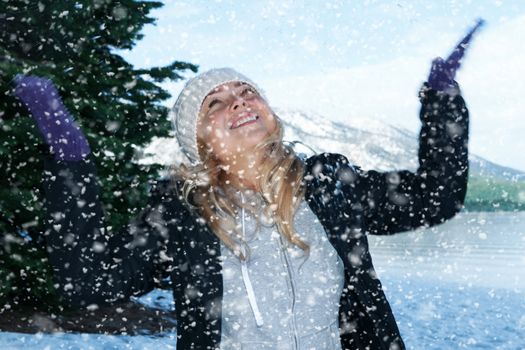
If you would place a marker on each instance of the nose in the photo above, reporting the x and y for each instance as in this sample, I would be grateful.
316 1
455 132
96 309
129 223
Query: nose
238 102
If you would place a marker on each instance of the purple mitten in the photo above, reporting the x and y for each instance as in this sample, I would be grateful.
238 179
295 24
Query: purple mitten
57 126
443 72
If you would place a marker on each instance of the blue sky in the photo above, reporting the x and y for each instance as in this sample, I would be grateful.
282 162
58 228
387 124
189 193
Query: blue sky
357 58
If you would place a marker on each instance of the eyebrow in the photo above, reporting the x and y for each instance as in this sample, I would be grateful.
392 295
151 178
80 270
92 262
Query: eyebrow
237 84
208 100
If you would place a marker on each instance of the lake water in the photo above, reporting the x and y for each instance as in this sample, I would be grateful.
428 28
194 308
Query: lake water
460 285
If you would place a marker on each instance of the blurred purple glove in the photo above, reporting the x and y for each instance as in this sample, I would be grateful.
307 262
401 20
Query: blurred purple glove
443 72
57 126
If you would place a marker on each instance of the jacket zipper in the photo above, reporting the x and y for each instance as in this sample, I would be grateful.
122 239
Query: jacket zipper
292 287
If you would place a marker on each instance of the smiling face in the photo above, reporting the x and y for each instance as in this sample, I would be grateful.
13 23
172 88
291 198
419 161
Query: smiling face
234 119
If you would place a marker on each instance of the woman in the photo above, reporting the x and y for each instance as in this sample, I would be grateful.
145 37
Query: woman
265 250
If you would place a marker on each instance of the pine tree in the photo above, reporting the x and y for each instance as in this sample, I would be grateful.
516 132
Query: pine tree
118 106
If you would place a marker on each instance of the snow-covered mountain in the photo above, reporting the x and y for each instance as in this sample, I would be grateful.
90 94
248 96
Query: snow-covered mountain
369 143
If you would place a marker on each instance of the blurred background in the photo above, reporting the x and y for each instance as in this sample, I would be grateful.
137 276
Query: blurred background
346 59
344 77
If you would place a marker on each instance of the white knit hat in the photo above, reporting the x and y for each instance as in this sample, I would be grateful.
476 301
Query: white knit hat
186 109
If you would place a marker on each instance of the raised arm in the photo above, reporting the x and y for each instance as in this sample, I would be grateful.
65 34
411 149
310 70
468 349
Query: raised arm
56 125
90 264
401 200
398 201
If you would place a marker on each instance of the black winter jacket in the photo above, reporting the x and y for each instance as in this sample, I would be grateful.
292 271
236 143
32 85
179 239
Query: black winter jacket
168 239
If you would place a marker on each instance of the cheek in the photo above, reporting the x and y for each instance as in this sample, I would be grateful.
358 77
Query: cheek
213 134
207 128
272 123
217 139
269 119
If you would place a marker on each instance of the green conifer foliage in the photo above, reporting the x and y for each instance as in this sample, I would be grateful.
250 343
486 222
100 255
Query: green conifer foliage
74 43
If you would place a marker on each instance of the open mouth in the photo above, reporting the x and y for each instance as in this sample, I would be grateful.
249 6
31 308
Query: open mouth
249 119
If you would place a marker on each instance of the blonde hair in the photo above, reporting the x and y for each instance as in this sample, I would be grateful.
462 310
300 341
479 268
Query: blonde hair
206 189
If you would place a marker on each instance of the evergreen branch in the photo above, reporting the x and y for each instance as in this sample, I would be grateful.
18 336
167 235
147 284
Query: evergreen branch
160 74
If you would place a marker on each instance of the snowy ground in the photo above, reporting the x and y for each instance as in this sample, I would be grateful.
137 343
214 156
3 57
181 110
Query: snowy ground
461 286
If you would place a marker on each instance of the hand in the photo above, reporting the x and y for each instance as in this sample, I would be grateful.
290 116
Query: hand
443 72
54 121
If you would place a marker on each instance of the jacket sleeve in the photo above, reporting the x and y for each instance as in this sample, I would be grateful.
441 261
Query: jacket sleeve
398 201
91 265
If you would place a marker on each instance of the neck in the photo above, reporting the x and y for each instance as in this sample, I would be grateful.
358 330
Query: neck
244 171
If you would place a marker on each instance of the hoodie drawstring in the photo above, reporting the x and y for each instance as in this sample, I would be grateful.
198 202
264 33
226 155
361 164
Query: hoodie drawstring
246 276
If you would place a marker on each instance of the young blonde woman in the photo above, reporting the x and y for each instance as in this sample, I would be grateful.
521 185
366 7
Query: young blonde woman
265 250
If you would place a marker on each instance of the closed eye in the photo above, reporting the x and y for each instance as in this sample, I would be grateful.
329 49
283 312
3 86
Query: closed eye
248 91
213 102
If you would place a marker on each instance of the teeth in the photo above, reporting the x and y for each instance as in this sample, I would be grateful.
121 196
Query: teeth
244 120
